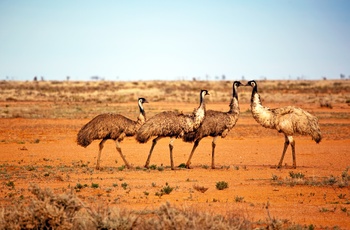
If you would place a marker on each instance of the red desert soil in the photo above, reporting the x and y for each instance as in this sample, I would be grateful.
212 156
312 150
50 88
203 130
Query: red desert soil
44 152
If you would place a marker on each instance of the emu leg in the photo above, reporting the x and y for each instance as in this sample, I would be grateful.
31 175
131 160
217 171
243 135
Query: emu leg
213 145
292 144
99 153
286 143
171 153
121 154
195 145
154 142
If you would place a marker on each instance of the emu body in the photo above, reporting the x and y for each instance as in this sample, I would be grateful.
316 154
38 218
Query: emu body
171 124
111 126
288 120
215 124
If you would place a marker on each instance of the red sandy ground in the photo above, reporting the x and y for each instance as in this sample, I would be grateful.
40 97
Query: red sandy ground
245 159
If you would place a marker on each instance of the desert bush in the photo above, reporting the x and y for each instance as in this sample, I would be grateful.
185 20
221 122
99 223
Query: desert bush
94 185
160 168
121 168
79 187
10 184
153 167
221 185
124 185
166 189
239 199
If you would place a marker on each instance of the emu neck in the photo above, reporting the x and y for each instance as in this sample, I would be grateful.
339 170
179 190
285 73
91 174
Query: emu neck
199 114
201 110
142 117
255 99
255 94
261 114
202 104
234 105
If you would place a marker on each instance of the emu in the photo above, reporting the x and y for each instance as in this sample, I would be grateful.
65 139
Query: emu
111 126
171 124
288 120
215 124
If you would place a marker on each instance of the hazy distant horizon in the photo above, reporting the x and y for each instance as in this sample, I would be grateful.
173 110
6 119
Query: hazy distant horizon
204 78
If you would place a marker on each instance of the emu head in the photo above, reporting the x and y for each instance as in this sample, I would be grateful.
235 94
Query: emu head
237 84
204 93
142 100
252 83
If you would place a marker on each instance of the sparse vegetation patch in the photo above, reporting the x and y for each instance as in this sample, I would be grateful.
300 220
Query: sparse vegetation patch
300 179
221 185
47 210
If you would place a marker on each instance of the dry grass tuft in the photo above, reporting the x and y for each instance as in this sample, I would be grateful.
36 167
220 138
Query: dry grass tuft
47 210
300 179
65 211
170 217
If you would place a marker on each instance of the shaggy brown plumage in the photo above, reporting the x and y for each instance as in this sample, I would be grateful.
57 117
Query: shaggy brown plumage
215 124
287 120
171 124
111 126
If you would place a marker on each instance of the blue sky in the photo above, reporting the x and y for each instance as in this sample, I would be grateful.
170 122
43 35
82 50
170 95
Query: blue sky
171 40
